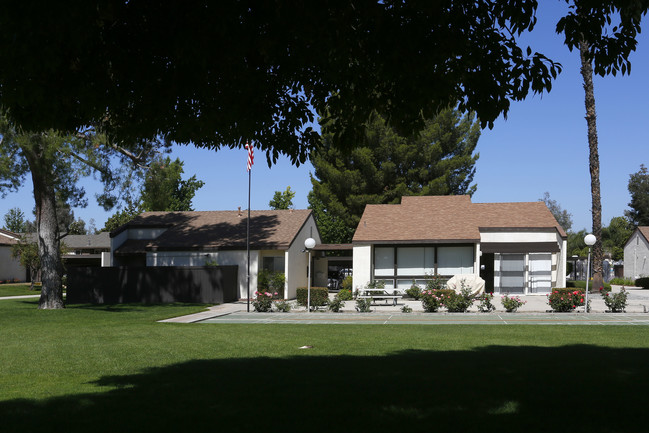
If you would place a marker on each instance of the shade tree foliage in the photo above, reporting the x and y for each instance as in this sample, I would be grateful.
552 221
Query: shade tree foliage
638 213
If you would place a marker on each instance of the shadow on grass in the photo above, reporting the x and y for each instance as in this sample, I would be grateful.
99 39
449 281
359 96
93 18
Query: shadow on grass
497 388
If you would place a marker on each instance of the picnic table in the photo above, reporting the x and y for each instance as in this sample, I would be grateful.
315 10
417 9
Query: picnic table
378 294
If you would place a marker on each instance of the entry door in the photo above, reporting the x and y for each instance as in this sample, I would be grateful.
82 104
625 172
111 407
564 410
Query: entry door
487 271
540 273
512 273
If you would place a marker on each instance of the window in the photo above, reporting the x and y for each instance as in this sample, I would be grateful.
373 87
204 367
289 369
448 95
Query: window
413 261
455 260
384 261
273 264
512 273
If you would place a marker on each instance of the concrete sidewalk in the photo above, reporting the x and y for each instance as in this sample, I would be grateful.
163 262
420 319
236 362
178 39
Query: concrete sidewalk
535 306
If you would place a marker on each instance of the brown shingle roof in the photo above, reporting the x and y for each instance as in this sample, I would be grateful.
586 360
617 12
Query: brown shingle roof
644 230
209 230
8 238
448 219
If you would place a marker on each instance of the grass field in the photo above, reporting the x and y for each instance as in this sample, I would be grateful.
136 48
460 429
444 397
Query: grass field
114 369
18 289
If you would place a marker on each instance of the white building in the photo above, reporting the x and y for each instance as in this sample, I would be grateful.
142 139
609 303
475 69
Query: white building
636 252
219 237
514 247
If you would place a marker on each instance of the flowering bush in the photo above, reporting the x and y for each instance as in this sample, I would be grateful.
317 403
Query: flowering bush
345 295
431 300
512 304
615 302
459 302
485 305
564 300
264 301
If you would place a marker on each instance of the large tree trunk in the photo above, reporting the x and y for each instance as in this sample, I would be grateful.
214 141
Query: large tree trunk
47 228
591 120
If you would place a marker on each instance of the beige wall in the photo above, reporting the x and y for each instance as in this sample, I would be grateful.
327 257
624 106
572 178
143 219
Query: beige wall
636 256
362 265
296 261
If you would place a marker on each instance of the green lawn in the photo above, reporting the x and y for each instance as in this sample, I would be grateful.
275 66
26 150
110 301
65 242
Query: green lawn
18 289
114 369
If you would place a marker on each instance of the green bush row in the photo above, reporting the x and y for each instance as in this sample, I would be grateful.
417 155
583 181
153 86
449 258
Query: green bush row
319 296
642 282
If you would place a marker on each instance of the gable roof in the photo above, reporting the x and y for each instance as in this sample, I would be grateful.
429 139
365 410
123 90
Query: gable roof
449 219
98 241
215 230
643 230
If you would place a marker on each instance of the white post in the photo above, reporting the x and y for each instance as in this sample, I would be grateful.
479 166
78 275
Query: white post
308 284
587 279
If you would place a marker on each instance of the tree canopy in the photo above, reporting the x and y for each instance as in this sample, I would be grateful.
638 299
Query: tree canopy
282 199
385 166
639 190
217 73
15 221
563 217
165 190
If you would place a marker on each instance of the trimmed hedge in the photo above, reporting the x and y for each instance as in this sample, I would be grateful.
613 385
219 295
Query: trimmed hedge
642 282
319 296
582 285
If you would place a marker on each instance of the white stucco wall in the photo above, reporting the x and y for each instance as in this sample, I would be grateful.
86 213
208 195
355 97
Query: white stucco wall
296 261
517 237
362 265
10 268
636 256
224 258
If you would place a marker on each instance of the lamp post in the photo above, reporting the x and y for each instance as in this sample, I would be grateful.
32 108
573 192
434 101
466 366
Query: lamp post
589 240
308 246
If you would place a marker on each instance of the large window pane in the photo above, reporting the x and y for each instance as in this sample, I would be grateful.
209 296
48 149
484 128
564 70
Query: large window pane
415 261
454 260
384 261
512 273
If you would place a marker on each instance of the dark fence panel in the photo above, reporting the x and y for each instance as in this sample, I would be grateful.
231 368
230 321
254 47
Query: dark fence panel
152 285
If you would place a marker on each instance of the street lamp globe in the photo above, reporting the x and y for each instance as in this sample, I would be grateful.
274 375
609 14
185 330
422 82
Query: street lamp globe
309 243
590 239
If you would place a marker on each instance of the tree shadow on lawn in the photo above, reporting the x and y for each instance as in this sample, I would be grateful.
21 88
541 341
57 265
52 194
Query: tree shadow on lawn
496 388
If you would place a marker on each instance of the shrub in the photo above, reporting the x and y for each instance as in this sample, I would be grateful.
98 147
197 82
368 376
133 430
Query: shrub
434 283
485 305
347 283
414 292
565 299
642 282
345 295
268 281
582 285
319 296
622 282
511 304
282 306
615 302
264 302
406 309
363 305
335 304
459 302
432 300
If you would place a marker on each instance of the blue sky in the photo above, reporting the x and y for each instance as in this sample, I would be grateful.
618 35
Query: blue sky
541 146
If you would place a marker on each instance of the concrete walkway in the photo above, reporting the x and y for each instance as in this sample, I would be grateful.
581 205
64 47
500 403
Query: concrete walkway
535 311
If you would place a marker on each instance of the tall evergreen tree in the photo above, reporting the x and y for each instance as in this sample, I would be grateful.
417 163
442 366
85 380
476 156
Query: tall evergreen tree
15 221
563 217
439 160
639 190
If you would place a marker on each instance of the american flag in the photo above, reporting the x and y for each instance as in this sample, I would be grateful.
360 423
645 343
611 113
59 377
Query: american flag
251 157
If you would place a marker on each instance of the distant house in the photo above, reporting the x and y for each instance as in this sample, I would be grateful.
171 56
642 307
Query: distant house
636 251
514 247
204 237
87 250
10 268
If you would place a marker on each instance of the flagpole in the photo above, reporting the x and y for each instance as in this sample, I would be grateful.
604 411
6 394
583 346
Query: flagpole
248 240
